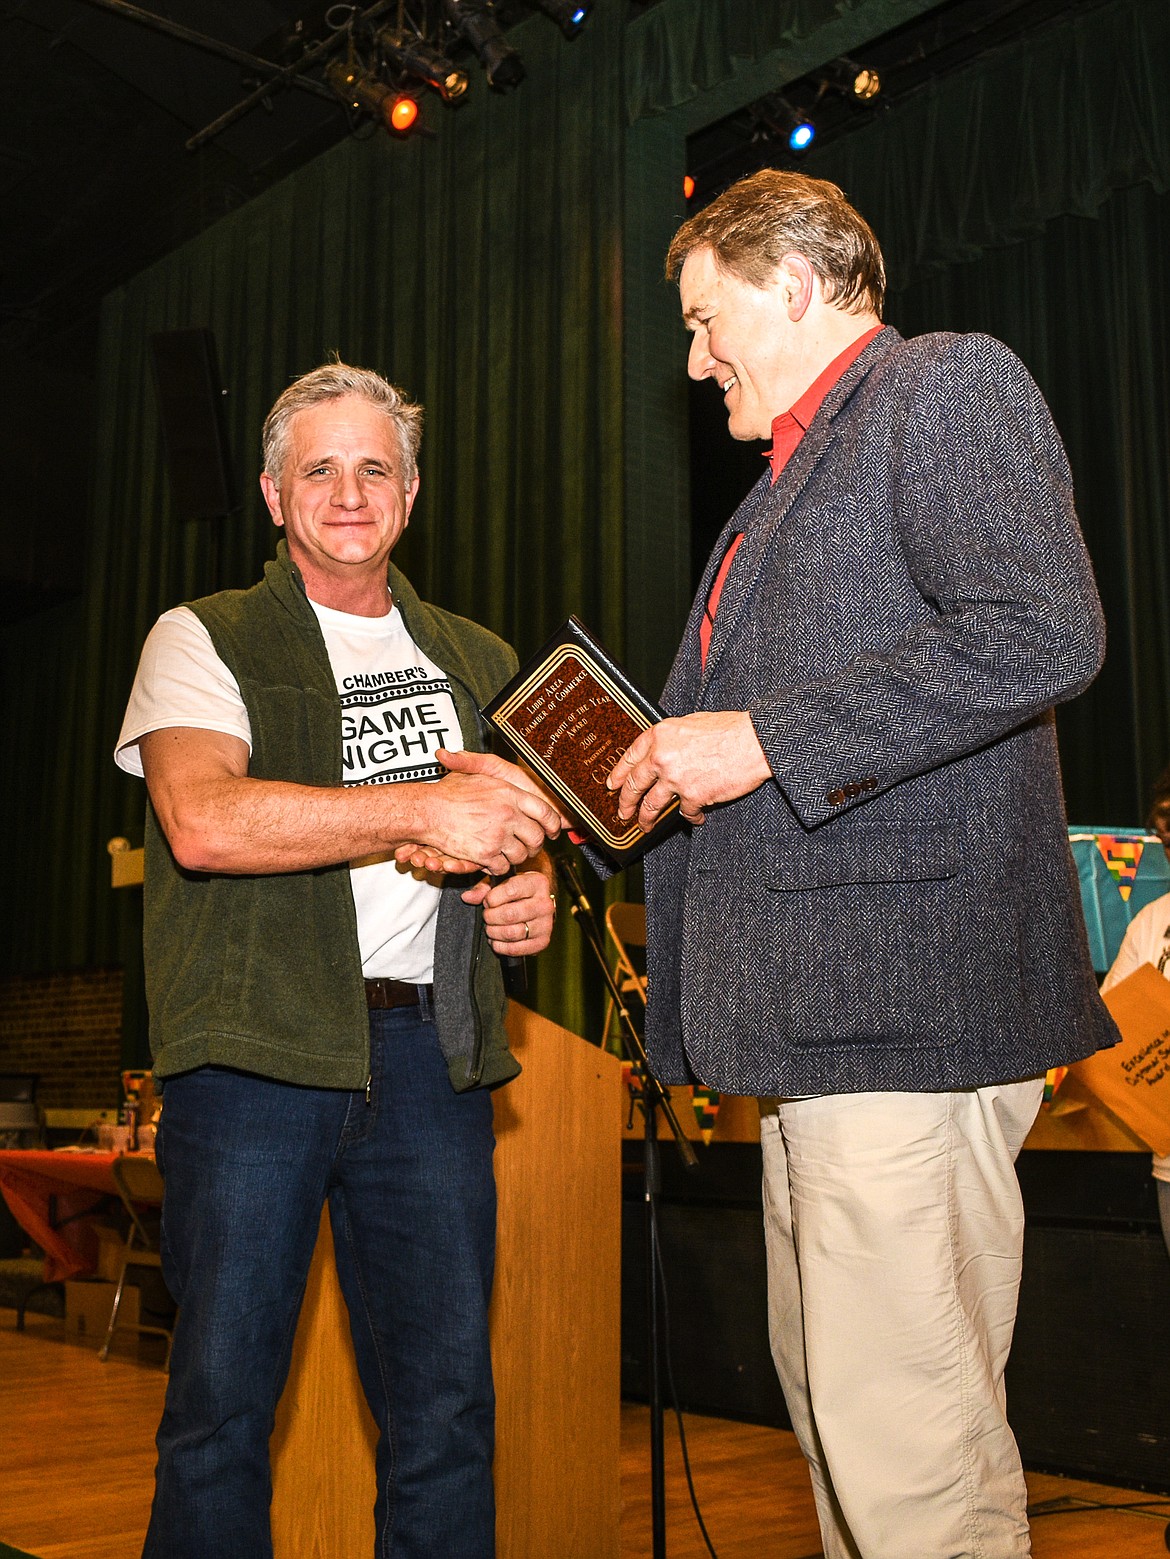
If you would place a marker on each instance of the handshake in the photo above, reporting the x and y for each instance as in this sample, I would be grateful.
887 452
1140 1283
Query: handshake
485 815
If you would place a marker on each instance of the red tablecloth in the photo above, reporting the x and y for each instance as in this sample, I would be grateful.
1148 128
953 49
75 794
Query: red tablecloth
49 1194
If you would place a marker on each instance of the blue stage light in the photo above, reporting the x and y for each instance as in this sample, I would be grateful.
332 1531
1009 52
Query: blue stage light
569 15
802 136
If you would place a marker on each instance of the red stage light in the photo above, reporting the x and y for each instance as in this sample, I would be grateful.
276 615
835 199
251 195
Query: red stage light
688 186
403 114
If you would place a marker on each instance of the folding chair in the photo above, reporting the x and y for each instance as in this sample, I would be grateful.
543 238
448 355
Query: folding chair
140 1186
626 925
21 1121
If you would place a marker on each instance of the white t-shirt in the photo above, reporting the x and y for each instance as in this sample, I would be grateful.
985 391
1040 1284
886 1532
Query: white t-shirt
1146 941
396 710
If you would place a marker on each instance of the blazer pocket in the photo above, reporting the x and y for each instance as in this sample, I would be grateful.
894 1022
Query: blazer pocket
921 852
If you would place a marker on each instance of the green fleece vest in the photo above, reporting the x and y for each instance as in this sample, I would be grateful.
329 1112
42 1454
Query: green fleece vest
264 973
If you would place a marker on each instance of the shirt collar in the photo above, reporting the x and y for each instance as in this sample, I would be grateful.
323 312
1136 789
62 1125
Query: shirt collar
802 412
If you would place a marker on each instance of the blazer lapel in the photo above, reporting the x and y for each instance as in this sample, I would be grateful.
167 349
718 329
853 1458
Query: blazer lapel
683 682
766 517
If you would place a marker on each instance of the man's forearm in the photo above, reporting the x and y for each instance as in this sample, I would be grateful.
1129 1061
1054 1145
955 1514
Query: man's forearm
218 818
244 825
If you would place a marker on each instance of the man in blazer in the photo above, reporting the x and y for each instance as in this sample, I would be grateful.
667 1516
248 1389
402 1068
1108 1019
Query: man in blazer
873 917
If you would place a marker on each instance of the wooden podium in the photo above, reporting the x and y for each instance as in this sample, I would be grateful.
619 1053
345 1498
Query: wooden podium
556 1330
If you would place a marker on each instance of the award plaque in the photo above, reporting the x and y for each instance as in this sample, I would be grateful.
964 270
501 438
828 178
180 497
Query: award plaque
570 713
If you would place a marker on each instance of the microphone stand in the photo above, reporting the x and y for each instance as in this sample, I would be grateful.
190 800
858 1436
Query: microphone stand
652 1098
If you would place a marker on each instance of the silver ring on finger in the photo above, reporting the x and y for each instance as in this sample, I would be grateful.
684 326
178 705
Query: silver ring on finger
527 931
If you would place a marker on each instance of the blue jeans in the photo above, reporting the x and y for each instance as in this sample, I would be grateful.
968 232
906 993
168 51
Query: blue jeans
247 1165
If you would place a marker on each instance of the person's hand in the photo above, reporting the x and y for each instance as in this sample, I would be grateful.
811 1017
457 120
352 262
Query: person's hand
489 815
702 759
518 913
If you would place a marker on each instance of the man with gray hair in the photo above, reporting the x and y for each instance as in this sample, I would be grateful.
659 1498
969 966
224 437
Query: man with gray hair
873 922
324 1024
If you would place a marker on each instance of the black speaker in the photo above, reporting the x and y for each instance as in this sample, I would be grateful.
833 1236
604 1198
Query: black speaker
711 1239
190 401
716 1295
1088 1382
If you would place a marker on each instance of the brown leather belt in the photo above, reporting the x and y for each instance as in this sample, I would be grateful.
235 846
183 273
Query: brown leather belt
382 993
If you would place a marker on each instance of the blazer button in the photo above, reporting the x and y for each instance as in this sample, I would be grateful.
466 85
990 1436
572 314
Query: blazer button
851 791
869 784
835 797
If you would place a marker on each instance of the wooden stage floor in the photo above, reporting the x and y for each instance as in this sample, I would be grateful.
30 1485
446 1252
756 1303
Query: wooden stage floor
77 1453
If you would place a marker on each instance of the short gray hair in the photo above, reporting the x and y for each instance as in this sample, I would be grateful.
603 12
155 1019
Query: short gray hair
331 382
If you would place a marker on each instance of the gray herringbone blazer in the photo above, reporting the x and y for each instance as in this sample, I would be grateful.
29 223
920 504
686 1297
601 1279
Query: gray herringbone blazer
898 909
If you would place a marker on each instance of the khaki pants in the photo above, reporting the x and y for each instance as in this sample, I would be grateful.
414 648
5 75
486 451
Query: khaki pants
894 1231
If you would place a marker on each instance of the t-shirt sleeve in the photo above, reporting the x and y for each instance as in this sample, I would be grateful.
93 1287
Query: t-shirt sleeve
1145 937
181 681
1129 957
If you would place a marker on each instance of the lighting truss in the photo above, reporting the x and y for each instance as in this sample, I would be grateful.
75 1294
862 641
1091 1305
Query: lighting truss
475 22
390 47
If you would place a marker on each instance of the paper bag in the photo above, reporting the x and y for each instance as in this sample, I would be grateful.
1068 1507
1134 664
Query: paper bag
1133 1078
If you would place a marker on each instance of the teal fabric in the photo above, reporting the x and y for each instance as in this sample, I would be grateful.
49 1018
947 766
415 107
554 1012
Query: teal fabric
1107 912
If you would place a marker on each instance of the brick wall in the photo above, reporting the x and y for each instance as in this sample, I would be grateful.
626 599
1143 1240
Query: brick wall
68 1029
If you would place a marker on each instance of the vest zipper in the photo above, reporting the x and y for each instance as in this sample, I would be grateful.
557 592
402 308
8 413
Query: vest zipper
475 1070
369 1085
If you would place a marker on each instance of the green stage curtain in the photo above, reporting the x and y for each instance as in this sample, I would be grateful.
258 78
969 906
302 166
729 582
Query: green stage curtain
1047 126
1084 305
479 269
680 49
1026 196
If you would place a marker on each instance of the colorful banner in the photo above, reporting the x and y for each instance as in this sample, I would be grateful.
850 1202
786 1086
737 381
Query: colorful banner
1123 857
1052 1081
705 1103
632 1078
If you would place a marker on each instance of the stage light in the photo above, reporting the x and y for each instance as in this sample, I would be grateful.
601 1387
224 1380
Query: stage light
778 114
475 22
688 186
416 57
403 113
569 15
362 91
859 81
